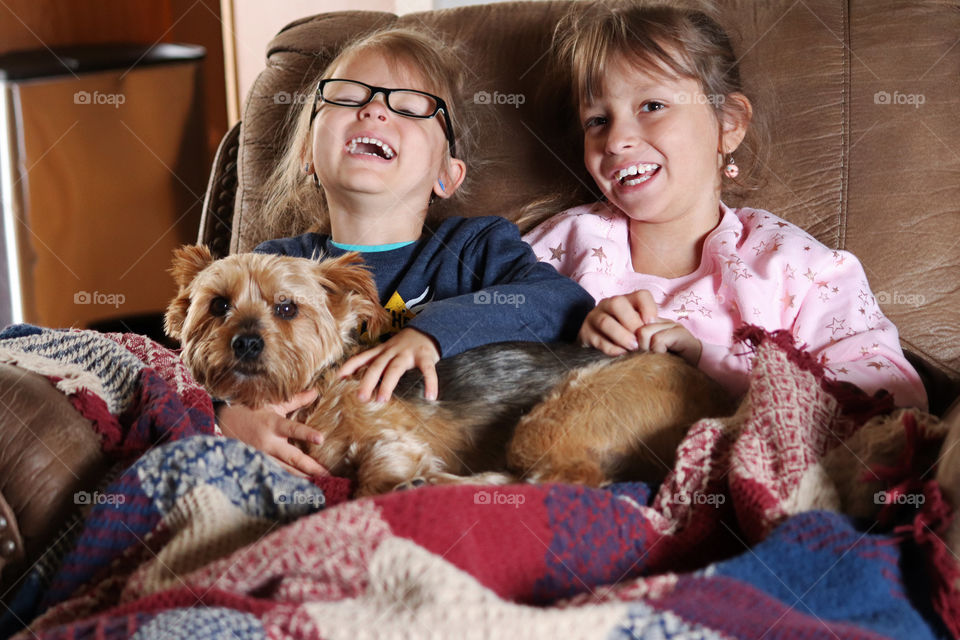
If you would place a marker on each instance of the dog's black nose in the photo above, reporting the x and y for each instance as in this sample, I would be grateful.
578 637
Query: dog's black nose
247 346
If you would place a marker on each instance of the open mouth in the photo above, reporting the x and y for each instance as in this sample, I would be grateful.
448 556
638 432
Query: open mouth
636 174
365 146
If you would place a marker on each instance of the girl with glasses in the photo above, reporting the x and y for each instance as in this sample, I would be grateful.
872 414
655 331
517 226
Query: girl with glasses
366 157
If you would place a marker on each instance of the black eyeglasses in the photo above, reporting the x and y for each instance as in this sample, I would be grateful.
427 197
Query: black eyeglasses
409 103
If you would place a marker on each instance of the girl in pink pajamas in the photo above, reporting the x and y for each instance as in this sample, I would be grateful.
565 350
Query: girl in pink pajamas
671 266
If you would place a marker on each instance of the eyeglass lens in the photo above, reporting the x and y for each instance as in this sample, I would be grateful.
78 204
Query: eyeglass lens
350 93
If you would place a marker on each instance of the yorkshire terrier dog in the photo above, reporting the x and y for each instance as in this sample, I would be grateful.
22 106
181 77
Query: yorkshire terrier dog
256 329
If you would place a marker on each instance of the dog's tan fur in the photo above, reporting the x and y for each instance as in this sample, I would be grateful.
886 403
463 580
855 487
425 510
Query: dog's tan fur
620 418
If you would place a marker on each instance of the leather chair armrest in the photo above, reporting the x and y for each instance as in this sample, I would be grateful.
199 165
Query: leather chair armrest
216 222
48 452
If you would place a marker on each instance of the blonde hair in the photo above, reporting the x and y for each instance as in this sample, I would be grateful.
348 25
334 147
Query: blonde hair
663 37
293 201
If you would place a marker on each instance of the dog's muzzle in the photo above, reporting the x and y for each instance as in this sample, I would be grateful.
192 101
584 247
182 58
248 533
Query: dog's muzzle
247 346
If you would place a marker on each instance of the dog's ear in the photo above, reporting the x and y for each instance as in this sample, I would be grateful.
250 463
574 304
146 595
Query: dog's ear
188 261
348 278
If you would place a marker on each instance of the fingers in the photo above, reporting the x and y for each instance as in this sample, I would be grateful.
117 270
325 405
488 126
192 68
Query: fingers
360 360
667 336
298 460
391 376
297 402
386 364
300 431
591 338
611 327
643 303
431 385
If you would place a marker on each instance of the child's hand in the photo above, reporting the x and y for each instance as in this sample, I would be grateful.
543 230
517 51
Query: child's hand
630 322
268 428
666 335
613 324
387 362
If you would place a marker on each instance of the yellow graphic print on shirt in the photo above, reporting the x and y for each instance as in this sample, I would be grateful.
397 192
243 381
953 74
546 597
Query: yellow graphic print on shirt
399 314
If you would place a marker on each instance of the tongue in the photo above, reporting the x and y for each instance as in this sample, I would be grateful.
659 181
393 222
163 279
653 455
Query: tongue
369 148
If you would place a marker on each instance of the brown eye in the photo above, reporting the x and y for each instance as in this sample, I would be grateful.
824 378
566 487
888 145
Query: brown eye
219 307
286 310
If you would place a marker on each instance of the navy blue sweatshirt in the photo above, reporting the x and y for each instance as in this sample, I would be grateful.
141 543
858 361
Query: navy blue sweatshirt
466 283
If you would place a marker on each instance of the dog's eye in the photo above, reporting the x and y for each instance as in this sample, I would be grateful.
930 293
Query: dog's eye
219 307
286 310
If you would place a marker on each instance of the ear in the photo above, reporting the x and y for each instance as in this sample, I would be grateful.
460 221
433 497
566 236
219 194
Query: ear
734 122
452 175
349 279
188 261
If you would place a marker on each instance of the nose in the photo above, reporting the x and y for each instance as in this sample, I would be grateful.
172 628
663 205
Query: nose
376 108
247 346
621 136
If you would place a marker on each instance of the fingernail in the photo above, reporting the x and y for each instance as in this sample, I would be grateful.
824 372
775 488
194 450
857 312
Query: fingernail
431 396
317 439
634 345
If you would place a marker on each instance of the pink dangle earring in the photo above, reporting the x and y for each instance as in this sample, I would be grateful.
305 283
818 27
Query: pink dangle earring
731 170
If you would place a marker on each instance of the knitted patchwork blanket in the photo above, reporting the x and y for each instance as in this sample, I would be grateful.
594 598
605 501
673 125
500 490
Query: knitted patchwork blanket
750 536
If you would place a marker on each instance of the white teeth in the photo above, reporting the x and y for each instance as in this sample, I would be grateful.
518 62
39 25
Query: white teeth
630 183
388 152
634 170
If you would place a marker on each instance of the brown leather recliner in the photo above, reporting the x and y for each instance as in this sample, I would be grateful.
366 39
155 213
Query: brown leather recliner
862 101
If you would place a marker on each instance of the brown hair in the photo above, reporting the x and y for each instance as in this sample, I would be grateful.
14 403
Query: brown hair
665 38
294 203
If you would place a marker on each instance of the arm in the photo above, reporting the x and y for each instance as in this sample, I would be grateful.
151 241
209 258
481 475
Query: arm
504 294
843 327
